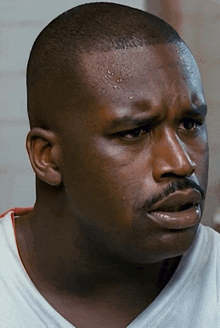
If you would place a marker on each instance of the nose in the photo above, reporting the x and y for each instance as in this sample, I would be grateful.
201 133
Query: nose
170 158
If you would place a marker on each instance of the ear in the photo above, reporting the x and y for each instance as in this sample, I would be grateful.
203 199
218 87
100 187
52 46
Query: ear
44 153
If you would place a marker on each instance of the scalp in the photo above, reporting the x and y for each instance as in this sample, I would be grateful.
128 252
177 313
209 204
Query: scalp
90 28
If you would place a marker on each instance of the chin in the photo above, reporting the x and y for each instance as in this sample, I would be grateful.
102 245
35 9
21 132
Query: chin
169 244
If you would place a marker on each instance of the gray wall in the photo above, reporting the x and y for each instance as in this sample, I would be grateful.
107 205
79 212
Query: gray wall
20 23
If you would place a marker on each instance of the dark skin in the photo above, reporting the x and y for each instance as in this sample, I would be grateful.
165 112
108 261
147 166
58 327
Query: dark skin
90 247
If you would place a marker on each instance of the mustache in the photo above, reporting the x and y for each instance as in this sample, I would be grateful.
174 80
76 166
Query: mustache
174 186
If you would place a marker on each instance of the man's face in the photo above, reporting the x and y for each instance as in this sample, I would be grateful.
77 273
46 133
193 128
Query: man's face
135 155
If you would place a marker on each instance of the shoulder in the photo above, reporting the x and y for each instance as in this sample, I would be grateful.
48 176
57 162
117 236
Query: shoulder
7 230
210 247
210 239
210 234
204 253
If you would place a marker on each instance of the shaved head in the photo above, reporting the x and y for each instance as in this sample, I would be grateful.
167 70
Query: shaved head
55 66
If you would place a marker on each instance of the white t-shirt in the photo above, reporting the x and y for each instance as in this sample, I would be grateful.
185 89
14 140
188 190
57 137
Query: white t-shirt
191 299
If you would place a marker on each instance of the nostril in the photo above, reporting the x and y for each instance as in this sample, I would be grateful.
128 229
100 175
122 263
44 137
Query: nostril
170 175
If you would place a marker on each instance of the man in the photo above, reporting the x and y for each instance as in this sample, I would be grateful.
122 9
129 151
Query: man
118 143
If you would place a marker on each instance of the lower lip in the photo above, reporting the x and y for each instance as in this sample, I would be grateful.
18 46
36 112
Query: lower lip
177 220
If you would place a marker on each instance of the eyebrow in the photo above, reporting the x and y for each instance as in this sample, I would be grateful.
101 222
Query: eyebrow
128 120
131 121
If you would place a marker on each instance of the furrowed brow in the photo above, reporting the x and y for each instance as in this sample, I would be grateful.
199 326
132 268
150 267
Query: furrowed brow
128 121
142 106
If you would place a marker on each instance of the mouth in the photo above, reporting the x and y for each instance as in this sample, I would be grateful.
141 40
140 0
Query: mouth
180 210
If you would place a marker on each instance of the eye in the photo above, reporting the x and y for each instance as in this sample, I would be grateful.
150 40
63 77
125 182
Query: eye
190 124
134 133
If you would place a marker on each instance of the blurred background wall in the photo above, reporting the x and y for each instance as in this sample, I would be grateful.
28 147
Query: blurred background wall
198 23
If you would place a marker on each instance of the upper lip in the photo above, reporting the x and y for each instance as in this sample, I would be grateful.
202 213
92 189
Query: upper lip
178 201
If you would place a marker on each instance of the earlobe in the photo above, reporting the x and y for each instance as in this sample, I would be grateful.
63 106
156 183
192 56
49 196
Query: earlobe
44 153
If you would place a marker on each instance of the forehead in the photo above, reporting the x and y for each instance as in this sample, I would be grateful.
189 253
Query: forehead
154 72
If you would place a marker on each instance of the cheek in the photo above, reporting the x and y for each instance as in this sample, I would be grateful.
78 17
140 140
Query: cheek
105 184
92 187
